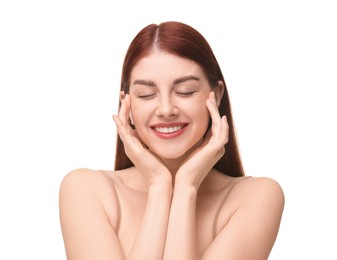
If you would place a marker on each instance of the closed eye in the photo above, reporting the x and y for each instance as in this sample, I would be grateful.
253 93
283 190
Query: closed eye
188 93
146 96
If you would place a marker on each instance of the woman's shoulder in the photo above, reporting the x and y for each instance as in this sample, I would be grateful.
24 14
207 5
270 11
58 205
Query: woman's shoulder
250 189
89 188
264 184
251 184
86 183
84 178
101 181
261 198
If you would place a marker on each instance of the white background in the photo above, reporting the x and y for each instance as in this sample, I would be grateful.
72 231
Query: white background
60 65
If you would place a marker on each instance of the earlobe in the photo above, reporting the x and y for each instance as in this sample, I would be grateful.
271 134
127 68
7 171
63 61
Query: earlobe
218 91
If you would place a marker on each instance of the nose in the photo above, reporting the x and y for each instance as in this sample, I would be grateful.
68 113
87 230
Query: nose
166 107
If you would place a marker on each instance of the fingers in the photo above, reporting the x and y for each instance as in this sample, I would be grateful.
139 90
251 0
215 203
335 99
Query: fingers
121 129
219 124
121 95
213 110
122 119
225 129
124 110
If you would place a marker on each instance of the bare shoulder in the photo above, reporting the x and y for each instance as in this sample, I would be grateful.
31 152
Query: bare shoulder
85 179
89 187
259 188
251 219
261 198
89 215
88 182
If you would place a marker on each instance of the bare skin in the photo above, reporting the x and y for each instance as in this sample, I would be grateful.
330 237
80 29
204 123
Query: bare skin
94 228
172 204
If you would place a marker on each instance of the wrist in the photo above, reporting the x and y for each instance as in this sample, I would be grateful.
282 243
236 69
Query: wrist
161 186
188 186
185 181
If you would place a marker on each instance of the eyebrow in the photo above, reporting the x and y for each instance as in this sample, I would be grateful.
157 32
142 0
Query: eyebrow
184 79
177 81
149 83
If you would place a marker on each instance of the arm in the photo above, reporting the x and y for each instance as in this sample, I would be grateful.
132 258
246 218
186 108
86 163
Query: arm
181 242
88 225
253 227
150 240
250 233
88 207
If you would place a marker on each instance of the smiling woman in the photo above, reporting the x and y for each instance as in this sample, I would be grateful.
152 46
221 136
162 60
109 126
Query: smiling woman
178 190
174 99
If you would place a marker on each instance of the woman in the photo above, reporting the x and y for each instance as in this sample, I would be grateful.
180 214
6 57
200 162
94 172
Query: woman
178 190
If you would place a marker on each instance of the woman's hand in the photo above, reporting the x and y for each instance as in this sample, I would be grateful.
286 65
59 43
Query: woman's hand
203 158
144 160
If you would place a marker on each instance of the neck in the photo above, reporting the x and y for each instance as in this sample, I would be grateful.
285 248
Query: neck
173 165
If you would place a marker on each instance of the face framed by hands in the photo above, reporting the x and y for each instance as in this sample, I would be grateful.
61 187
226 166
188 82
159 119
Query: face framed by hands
168 97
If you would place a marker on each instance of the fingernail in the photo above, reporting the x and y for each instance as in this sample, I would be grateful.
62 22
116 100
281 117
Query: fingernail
214 96
127 97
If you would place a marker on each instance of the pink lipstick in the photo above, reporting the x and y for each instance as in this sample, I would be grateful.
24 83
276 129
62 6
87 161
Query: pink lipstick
168 131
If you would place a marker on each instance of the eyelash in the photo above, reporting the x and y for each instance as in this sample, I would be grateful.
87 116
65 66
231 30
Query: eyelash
146 96
186 93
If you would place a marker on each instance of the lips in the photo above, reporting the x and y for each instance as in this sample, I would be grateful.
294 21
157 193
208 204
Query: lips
167 131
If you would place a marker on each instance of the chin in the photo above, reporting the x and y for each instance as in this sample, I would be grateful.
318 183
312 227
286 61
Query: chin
171 156
167 152
173 153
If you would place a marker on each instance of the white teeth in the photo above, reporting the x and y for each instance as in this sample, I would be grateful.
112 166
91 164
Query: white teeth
167 130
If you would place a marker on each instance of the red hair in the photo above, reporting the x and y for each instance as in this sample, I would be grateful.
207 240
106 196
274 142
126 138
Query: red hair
182 40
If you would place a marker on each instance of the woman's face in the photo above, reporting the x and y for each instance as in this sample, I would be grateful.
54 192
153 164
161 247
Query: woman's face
168 95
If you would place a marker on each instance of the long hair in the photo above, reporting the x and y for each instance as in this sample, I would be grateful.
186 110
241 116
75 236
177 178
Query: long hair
182 40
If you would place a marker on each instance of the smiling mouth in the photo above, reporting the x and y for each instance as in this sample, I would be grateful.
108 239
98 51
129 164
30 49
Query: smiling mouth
168 130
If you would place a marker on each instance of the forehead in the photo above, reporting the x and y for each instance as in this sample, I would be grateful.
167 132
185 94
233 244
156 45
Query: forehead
160 66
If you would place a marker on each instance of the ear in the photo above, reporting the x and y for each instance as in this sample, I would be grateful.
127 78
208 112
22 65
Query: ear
218 91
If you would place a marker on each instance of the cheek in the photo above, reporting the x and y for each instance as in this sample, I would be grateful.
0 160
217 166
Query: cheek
141 115
137 111
200 115
204 119
198 108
